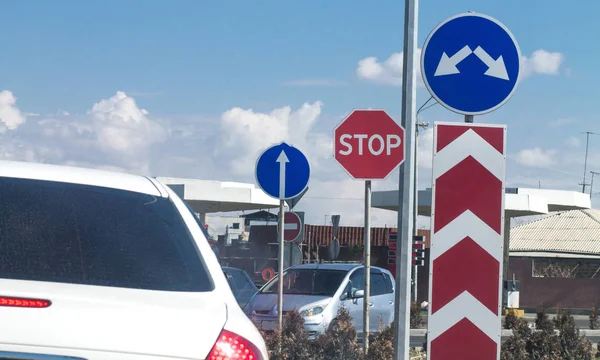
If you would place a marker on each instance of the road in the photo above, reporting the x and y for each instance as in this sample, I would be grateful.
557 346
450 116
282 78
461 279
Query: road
417 337
582 321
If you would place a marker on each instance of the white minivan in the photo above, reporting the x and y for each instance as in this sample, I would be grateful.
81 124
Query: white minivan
318 291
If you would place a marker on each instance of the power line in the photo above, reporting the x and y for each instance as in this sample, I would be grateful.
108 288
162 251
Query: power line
331 198
510 157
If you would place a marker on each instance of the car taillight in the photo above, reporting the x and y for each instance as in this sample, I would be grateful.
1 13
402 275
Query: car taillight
23 302
230 346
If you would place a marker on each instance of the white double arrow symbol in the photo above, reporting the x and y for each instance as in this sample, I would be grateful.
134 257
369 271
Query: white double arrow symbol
496 68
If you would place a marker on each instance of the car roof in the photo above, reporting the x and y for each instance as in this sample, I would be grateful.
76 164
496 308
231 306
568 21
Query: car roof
337 266
328 266
230 268
78 175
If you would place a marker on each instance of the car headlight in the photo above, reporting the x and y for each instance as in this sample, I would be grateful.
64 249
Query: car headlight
312 311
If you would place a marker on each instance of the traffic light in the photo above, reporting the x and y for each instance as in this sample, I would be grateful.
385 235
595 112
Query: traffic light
418 255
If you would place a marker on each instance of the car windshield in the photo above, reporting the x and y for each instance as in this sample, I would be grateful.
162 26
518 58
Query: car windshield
308 282
80 234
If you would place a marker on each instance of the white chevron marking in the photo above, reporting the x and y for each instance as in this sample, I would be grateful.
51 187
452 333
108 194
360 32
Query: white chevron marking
469 143
464 306
467 224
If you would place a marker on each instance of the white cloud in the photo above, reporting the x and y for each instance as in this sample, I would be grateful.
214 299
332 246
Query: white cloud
542 62
10 116
572 141
536 157
245 133
114 133
388 72
123 128
562 122
117 134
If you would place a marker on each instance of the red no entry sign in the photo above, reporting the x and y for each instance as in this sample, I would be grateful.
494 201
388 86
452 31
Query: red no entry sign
369 144
292 226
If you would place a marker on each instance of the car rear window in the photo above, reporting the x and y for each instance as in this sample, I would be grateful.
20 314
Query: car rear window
68 233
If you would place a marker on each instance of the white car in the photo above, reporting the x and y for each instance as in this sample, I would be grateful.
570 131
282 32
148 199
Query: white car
318 291
102 265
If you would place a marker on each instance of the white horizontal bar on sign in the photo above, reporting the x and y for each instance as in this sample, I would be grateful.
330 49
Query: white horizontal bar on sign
464 306
467 224
290 226
469 144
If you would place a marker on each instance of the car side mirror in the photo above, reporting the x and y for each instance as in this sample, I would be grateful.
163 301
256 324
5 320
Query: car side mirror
357 294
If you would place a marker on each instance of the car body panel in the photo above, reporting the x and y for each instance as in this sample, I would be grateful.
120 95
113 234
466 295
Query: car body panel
241 284
100 322
126 321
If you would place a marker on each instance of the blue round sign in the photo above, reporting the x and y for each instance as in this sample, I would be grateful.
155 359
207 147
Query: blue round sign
282 171
471 63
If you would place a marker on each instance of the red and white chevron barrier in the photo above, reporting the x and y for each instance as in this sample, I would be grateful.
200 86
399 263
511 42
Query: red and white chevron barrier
467 226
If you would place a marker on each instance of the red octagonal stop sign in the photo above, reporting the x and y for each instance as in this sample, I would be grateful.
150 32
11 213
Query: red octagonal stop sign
369 144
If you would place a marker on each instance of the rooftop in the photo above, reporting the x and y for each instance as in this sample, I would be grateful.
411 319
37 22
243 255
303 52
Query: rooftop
209 196
573 233
518 201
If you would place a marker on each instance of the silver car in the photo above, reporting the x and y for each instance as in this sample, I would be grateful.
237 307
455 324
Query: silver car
318 291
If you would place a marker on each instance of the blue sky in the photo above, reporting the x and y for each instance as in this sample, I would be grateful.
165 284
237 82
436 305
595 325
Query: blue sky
188 62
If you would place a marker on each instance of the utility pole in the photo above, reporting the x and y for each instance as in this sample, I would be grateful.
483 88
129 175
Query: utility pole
587 143
402 298
592 182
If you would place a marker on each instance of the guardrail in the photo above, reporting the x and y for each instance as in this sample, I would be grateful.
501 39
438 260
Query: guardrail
507 333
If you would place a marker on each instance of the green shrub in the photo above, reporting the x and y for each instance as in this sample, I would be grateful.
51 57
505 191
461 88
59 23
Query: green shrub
510 321
557 339
594 323
416 320
573 345
382 346
515 347
294 340
340 341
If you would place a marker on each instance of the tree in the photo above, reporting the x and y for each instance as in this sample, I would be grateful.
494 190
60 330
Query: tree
294 340
573 345
339 342
544 343
557 339
416 320
515 348
382 346
594 323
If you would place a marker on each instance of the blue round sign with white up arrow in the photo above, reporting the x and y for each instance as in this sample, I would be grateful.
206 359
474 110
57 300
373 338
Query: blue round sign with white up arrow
471 63
282 171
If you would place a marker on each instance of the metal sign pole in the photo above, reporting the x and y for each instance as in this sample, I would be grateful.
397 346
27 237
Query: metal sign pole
280 264
416 207
367 265
406 186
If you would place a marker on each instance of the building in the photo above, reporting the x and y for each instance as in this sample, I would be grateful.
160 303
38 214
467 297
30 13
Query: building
557 260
